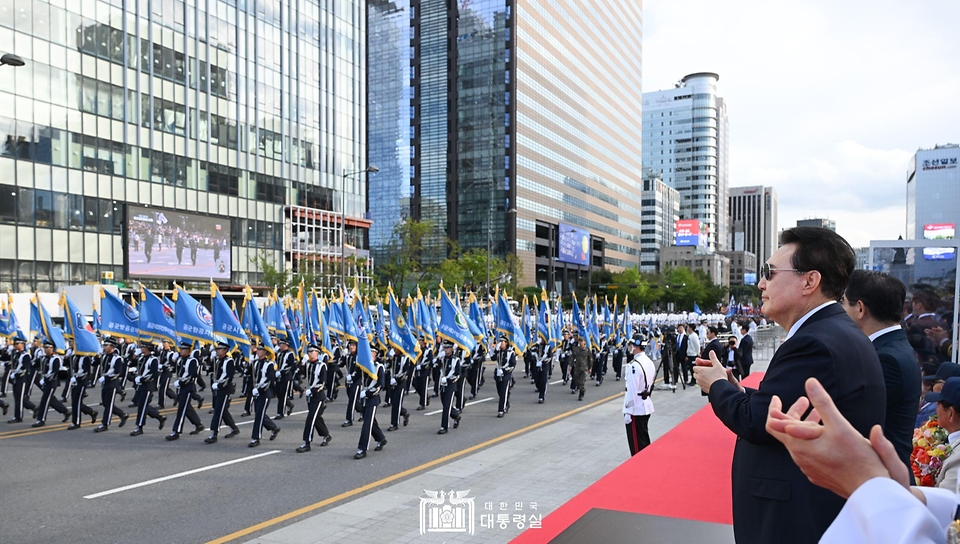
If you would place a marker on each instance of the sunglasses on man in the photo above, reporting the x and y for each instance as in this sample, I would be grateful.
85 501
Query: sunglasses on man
766 271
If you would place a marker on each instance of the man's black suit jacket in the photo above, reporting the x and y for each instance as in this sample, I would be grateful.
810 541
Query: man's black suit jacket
901 372
682 350
772 500
746 352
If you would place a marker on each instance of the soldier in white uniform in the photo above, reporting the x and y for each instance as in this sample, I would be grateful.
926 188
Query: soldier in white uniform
639 375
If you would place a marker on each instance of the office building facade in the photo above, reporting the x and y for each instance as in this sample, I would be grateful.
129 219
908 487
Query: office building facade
686 141
522 113
818 222
715 265
659 212
752 221
230 110
743 267
933 210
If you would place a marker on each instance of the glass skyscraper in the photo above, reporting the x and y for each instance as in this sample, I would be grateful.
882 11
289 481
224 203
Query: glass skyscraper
524 114
234 109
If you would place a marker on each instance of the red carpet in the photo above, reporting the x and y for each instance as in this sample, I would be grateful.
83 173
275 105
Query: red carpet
684 474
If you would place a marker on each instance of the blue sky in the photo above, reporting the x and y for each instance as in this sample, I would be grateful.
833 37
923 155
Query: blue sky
827 100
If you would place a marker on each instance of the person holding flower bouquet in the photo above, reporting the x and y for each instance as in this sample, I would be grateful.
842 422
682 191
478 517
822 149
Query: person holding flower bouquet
948 419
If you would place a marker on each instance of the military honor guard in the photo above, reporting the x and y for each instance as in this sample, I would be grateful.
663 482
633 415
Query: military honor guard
332 383
264 377
49 382
113 370
422 371
286 370
450 367
21 365
400 369
167 357
639 374
221 382
370 398
506 360
186 385
83 372
542 368
316 368
352 375
582 361
146 384
565 346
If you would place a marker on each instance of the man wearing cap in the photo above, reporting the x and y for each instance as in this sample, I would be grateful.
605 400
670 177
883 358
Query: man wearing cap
165 356
83 374
948 417
186 386
370 397
639 375
565 346
49 382
316 368
264 378
286 367
449 374
113 370
20 371
221 383
352 376
421 375
332 382
933 383
542 368
582 362
146 385
506 360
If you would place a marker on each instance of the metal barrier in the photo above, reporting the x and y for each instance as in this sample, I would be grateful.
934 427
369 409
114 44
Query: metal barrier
766 341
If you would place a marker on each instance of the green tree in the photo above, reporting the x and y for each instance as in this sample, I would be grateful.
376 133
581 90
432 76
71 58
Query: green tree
401 264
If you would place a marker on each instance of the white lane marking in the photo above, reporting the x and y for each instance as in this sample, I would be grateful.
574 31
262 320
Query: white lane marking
435 412
178 475
556 382
249 421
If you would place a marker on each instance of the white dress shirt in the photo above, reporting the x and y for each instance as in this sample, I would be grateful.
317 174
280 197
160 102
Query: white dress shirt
881 332
796 326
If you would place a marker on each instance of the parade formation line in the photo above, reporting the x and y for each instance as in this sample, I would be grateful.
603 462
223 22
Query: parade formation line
409 472
179 475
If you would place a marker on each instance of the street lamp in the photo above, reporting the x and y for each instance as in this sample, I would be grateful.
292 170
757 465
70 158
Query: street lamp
343 220
10 59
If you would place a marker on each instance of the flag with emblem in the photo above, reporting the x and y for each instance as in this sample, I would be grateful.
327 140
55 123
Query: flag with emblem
453 324
543 317
118 318
507 326
191 319
400 337
156 319
45 325
254 325
76 328
225 322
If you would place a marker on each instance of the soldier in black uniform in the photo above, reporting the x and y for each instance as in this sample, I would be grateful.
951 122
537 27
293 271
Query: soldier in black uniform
332 383
129 353
316 367
461 385
224 367
543 368
477 359
113 370
264 378
449 366
186 385
435 375
6 355
66 366
146 383
83 373
286 370
400 368
565 344
49 382
21 365
600 362
619 350
352 375
506 360
370 398
422 371
245 367
167 366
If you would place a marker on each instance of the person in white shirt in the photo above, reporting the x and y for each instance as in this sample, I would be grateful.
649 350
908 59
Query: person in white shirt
639 374
693 351
881 506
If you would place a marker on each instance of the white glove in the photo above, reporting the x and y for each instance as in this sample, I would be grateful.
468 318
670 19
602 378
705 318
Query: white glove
277 374
363 394
443 380
349 378
627 418
42 381
308 393
73 381
393 382
539 364
137 380
101 380
499 371
176 384
256 391
214 386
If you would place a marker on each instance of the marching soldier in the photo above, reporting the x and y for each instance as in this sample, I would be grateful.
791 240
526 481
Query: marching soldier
353 378
246 391
461 384
49 382
600 362
167 366
582 362
83 372
475 375
21 365
435 375
316 367
6 356
129 355
618 354
286 370
449 374
370 397
421 374
332 382
506 360
565 347
264 377
543 369
113 370
221 382
400 367
146 384
185 384
66 366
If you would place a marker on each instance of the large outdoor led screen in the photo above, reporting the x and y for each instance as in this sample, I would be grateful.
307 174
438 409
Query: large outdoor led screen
176 245
574 244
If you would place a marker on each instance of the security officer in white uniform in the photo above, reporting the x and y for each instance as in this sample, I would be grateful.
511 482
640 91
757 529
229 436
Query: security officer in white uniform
638 374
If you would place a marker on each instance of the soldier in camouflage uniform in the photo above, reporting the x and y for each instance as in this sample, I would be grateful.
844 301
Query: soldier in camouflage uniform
582 361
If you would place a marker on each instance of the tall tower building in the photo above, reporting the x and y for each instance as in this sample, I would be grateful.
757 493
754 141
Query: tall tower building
753 221
519 131
686 141
933 210
180 140
660 210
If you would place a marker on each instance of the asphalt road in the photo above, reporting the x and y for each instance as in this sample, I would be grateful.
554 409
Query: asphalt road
45 474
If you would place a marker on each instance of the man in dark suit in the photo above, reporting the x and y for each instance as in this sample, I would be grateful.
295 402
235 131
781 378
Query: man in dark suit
873 300
680 363
773 501
713 345
746 350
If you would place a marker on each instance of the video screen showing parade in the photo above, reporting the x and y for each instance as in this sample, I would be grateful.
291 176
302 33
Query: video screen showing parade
175 245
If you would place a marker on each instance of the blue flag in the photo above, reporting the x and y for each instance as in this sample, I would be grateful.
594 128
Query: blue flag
156 319
453 324
84 340
118 318
46 328
400 337
579 321
477 316
192 320
325 344
543 317
335 309
364 356
381 330
225 322
506 325
607 321
424 323
696 309
627 326
258 332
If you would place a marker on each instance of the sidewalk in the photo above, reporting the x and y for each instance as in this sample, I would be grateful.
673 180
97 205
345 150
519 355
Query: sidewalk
530 475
